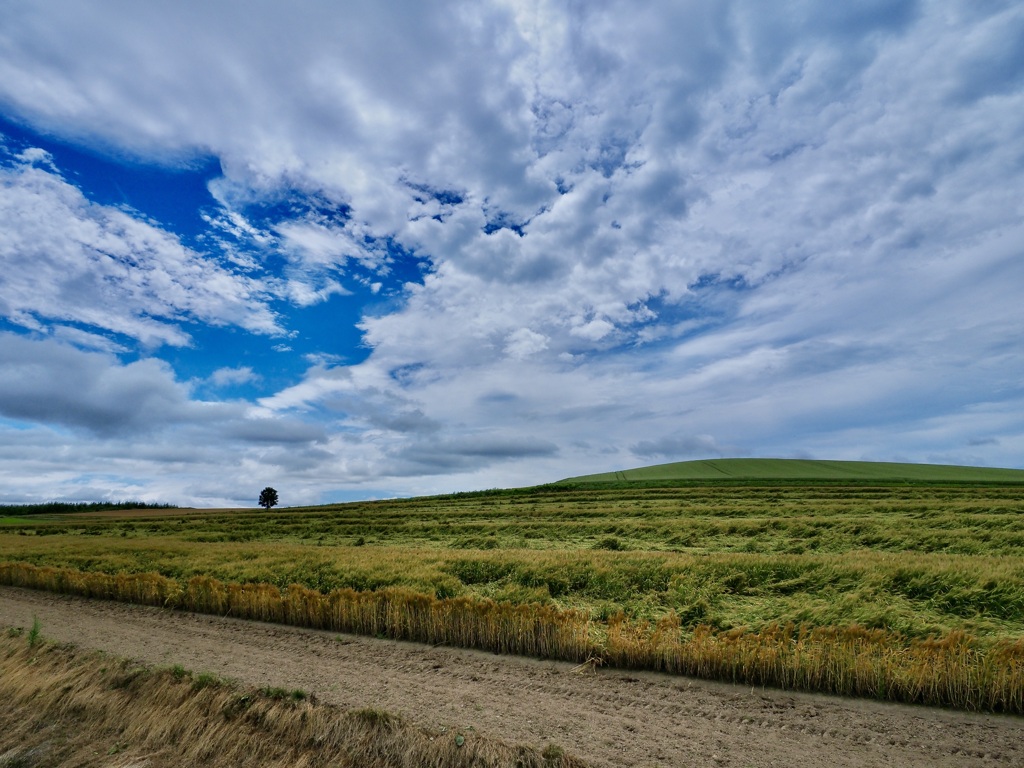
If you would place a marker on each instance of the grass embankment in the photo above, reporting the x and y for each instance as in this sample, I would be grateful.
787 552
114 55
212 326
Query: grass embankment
701 579
66 707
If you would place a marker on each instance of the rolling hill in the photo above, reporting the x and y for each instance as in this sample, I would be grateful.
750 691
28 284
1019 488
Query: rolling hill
801 470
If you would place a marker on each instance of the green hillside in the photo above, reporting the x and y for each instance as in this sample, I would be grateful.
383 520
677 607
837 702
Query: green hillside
801 470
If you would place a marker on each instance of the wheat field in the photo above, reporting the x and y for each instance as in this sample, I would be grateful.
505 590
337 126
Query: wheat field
909 592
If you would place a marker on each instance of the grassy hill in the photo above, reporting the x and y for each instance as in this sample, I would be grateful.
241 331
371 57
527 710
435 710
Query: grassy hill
800 470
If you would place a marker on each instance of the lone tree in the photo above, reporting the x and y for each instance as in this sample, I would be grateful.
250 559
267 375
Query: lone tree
268 498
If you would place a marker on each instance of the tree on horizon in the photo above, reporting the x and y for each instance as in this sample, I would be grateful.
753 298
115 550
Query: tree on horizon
268 498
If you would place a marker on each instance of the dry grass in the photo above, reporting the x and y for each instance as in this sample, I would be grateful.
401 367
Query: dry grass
954 670
65 707
402 614
917 594
906 592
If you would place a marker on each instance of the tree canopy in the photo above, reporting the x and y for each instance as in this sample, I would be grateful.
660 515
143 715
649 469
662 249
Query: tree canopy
268 498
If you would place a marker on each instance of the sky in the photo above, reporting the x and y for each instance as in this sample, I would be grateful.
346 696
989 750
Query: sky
380 249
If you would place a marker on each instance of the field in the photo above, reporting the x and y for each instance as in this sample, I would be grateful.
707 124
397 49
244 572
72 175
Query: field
900 590
61 507
802 470
605 717
65 706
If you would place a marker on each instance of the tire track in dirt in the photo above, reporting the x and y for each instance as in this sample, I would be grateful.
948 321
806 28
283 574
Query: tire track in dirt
610 718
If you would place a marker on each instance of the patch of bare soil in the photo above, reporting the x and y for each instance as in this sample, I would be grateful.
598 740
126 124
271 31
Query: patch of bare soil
609 718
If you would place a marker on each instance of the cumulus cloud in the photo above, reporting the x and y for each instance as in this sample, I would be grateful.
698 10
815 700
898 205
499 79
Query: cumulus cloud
609 163
81 425
793 231
55 384
226 377
523 342
47 382
68 259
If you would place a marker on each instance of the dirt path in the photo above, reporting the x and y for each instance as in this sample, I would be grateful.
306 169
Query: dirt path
608 718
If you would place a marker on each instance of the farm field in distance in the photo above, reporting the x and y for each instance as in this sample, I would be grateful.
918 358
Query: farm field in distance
905 574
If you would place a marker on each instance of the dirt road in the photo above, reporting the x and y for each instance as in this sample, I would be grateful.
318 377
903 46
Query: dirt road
609 718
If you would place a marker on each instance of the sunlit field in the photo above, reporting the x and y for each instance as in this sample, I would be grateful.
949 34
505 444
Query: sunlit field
912 591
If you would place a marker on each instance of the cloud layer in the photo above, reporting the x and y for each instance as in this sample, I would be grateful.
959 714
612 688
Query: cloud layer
72 262
606 235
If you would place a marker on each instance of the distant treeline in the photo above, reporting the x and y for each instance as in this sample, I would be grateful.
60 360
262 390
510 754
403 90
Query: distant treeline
66 507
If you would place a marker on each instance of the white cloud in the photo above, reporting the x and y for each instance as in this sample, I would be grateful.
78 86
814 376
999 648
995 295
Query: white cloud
67 259
36 156
653 228
523 342
81 425
226 377
48 382
595 330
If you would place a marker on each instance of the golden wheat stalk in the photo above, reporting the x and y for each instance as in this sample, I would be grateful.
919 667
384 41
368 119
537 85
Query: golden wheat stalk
955 670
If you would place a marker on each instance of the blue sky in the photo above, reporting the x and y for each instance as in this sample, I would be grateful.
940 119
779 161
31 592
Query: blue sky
413 248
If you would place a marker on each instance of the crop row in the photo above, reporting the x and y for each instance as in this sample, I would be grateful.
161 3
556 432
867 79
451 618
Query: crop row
917 595
940 520
954 670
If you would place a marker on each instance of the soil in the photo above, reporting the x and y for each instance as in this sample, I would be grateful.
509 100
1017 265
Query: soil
609 718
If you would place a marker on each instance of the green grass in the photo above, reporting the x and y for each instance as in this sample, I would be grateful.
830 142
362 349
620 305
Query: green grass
850 556
982 520
917 558
63 507
34 633
789 470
